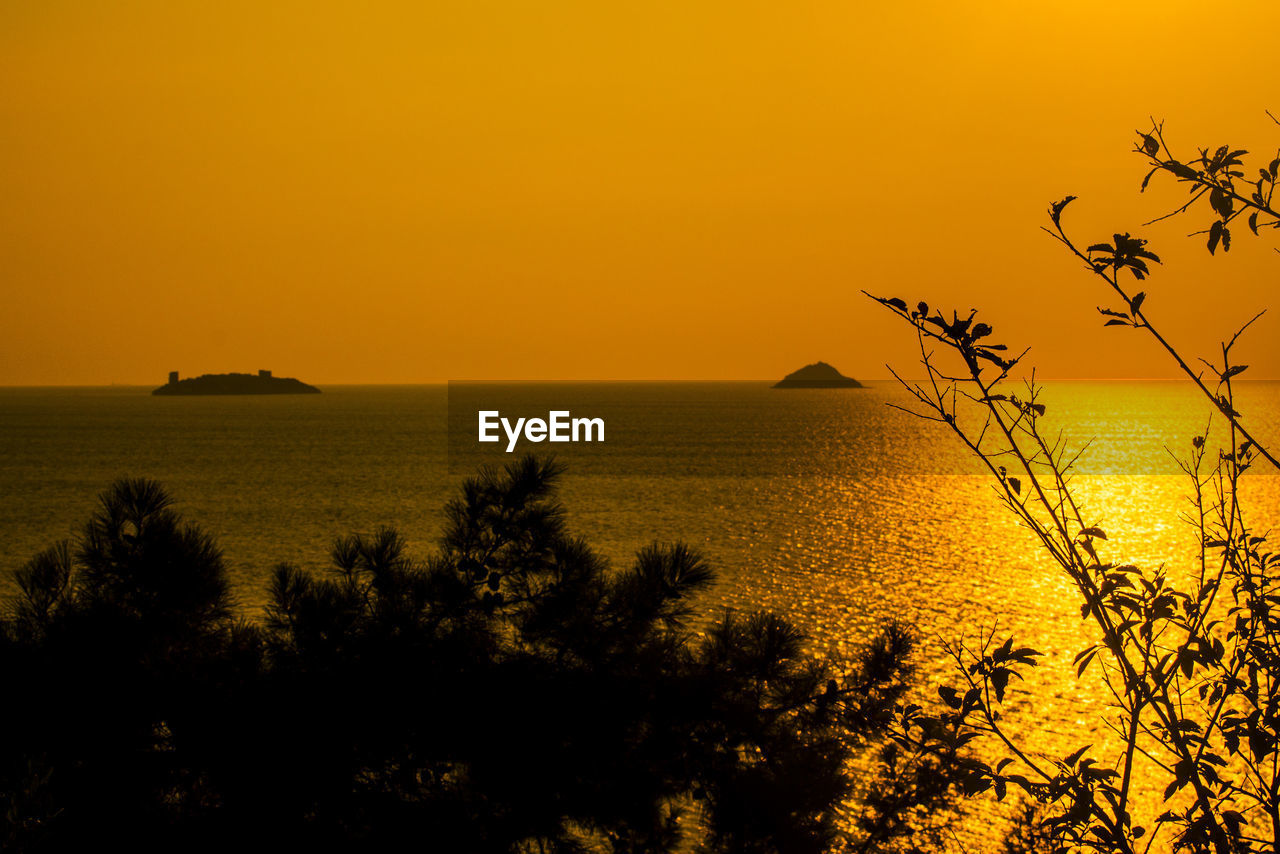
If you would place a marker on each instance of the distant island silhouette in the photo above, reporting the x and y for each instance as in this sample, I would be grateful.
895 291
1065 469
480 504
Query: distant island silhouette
817 375
259 383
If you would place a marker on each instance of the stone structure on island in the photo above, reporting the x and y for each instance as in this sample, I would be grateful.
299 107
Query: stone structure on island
260 383
817 375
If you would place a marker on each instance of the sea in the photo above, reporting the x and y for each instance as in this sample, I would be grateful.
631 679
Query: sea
838 509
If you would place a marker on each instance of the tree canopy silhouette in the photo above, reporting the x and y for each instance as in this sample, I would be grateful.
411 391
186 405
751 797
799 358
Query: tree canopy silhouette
509 693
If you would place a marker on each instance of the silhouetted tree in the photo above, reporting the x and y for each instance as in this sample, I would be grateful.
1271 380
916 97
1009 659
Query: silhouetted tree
1190 659
101 664
510 693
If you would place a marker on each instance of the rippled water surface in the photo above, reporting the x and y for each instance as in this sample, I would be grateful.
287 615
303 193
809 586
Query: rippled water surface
828 506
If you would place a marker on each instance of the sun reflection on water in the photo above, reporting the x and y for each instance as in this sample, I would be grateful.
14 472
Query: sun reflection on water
941 553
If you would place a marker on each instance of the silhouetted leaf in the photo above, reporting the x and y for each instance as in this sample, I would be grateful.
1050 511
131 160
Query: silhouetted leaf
1219 158
1000 681
1055 210
1221 202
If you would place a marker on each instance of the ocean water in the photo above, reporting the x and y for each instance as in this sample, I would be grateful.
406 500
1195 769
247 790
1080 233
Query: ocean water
831 507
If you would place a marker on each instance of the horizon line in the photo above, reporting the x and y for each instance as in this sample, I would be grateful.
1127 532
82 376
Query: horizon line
584 381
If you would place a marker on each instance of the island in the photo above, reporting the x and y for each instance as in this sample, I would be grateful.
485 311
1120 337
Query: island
259 383
817 375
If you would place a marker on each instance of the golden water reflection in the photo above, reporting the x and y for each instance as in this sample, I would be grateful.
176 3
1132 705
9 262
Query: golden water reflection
942 553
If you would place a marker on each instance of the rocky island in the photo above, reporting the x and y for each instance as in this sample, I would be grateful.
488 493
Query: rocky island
259 383
817 375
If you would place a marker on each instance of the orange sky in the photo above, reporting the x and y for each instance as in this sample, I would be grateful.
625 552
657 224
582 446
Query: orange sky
421 191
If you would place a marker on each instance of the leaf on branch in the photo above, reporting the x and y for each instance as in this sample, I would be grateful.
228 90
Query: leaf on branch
1000 681
1219 159
1215 235
1135 304
1234 370
1116 323
1134 246
1093 532
1147 179
1128 251
1071 760
1055 210
1253 223
1149 145
1221 202
1016 485
1186 661
958 327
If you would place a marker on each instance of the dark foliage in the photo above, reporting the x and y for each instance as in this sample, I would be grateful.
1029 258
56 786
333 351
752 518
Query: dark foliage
1190 657
510 693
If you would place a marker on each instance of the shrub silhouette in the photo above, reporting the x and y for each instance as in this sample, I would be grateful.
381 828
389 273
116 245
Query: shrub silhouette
510 693
1190 659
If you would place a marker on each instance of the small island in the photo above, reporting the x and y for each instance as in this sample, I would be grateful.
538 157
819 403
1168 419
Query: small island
259 383
817 375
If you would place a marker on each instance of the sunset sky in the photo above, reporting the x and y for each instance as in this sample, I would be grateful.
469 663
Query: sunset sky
423 191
